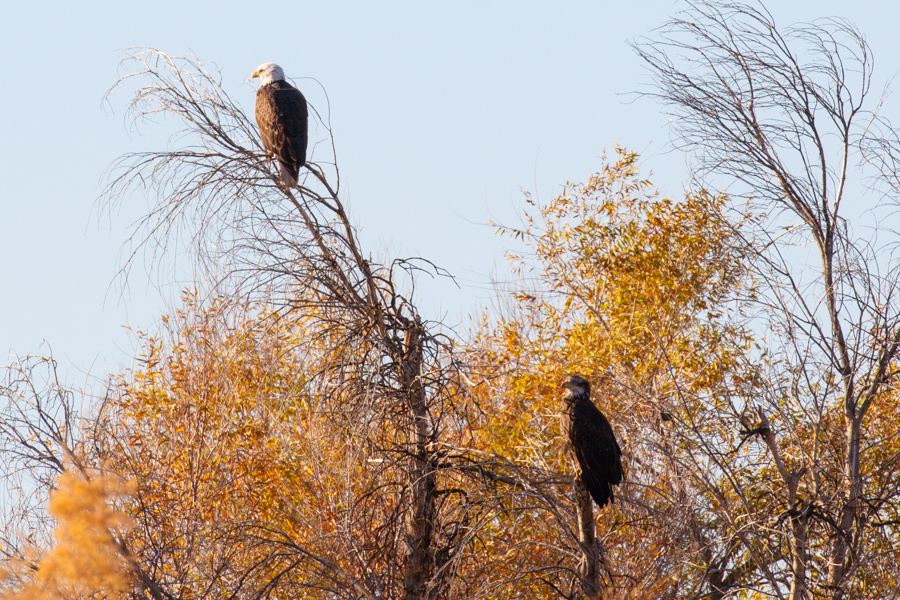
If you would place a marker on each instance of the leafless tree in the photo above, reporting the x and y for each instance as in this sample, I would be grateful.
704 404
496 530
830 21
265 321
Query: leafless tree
38 428
783 117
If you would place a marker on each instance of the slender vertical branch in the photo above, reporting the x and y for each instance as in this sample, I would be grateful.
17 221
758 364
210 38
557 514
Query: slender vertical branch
589 567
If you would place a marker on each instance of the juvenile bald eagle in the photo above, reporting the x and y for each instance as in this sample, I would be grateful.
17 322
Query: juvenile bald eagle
283 119
591 440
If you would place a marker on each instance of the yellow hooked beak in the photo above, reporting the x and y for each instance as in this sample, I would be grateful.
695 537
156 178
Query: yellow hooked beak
254 75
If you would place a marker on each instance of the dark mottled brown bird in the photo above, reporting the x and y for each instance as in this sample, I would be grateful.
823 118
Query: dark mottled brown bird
283 121
591 440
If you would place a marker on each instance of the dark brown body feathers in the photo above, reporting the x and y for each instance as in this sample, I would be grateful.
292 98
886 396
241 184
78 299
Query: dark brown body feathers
282 117
591 439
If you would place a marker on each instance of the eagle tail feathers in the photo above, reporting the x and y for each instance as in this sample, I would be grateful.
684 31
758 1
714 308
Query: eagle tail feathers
289 174
601 490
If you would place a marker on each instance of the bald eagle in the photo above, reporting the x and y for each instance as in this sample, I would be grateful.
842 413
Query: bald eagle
591 440
282 118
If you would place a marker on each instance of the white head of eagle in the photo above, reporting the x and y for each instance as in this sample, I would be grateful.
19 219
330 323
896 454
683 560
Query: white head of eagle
267 73
282 117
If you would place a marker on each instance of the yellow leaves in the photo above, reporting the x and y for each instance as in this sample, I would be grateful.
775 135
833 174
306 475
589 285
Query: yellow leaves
631 290
86 560
86 551
220 427
630 280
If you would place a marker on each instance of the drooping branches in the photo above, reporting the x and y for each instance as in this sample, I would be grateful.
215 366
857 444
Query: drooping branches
781 117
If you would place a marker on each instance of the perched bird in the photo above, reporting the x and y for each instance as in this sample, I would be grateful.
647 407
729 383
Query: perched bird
591 440
283 121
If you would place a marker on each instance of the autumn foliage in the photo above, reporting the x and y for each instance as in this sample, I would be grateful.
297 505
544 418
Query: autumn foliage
633 290
300 430
85 560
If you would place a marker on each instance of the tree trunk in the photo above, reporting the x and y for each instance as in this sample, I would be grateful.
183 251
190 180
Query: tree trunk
589 568
839 545
421 516
799 529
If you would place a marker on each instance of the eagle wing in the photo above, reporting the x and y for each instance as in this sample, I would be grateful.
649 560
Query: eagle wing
596 449
282 117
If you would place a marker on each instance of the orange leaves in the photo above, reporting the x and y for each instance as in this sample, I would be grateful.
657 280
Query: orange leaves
86 560
237 456
633 287
85 550
633 291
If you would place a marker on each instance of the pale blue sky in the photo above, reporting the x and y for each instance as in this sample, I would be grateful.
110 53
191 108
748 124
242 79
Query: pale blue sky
442 113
